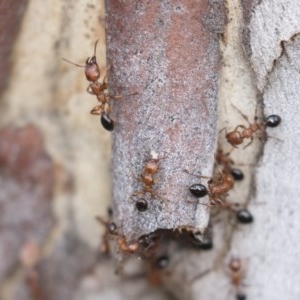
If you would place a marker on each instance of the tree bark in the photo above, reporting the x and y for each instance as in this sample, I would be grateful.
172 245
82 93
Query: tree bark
181 63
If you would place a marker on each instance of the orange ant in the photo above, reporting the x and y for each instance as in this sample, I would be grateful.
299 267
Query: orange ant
157 269
110 230
147 178
218 187
92 73
111 233
243 216
145 245
237 276
237 137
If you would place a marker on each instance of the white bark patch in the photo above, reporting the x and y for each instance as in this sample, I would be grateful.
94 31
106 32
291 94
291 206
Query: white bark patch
271 23
272 244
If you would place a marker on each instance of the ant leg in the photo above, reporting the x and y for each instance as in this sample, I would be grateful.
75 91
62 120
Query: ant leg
135 194
243 115
239 126
195 278
196 175
115 96
97 110
155 195
89 90
251 141
224 128
207 204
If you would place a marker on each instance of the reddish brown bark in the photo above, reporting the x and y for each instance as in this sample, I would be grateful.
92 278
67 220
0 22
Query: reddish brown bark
167 52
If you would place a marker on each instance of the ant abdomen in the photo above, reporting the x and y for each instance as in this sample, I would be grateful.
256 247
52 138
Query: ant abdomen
273 121
198 190
107 122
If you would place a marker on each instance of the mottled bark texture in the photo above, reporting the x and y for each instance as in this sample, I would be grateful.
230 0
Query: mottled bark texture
11 14
50 146
168 53
26 184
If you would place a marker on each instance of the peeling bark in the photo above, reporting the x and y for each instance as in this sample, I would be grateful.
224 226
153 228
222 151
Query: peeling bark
168 54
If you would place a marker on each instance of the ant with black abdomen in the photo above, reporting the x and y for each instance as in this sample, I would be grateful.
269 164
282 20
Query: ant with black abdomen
237 137
99 89
148 179
218 187
237 274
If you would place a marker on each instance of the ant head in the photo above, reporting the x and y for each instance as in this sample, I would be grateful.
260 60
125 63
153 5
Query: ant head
92 71
152 166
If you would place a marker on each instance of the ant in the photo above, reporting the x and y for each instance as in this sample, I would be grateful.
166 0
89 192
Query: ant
110 230
218 187
127 247
148 179
158 269
111 233
226 162
144 245
92 73
237 137
243 215
237 276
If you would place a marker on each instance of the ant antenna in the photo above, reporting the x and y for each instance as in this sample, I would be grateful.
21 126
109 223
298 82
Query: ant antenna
72 63
77 65
95 47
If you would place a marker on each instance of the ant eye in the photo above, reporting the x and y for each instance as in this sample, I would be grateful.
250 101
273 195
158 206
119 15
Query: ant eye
198 190
237 174
273 121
